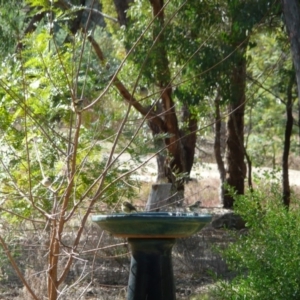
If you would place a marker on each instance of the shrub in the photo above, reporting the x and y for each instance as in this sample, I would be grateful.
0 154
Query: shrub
267 259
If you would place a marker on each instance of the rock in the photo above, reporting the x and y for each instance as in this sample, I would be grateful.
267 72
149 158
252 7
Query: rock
229 221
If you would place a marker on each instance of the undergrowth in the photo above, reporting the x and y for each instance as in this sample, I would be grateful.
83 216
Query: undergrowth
266 260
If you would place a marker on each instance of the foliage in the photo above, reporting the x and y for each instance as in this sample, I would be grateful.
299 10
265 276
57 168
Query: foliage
12 18
36 89
61 118
269 70
58 159
6 273
266 260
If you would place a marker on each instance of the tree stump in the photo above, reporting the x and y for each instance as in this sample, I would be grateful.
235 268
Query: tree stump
161 197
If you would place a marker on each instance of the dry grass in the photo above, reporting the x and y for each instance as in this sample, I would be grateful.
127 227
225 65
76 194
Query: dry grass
105 275
205 190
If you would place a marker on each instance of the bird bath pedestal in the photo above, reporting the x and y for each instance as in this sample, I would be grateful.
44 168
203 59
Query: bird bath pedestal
151 237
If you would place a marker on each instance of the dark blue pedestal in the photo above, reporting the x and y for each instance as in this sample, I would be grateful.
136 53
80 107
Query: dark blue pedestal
151 271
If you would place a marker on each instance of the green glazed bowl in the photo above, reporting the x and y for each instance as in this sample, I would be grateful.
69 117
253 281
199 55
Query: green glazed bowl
152 224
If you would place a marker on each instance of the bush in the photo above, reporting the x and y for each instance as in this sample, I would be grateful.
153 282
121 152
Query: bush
267 259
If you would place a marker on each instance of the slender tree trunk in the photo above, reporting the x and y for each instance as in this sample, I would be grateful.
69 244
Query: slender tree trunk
217 145
236 167
189 137
286 192
291 11
54 250
159 144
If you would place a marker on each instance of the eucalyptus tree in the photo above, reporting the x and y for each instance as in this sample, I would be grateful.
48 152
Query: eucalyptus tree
291 10
271 115
201 50
246 17
151 24
223 29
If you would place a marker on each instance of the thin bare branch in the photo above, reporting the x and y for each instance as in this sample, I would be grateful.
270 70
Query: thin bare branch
16 268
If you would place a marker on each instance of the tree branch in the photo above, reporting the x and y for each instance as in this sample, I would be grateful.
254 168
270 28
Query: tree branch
146 112
16 268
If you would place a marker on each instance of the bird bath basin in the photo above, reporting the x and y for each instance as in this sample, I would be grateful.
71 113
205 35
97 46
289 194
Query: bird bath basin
152 224
151 236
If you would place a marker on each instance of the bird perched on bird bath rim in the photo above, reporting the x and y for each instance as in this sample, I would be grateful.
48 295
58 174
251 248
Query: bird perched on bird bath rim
194 206
127 207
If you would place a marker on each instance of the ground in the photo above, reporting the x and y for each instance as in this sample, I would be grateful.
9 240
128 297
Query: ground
104 275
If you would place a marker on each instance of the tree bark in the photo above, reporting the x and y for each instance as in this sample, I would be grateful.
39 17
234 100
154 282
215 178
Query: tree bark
189 137
177 162
286 192
291 11
121 8
217 145
160 197
236 167
159 145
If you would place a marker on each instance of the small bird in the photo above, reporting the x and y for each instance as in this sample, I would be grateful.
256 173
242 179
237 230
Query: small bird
194 206
127 207
79 104
143 91
46 181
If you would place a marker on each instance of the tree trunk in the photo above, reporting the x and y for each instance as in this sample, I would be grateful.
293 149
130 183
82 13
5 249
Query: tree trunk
291 11
159 144
217 145
176 163
178 158
121 8
161 197
236 167
188 137
286 192
54 250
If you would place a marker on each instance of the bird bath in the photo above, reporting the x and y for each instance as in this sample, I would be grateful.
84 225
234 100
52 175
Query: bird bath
151 236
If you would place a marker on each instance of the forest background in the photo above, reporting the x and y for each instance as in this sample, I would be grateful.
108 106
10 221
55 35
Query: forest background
85 83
